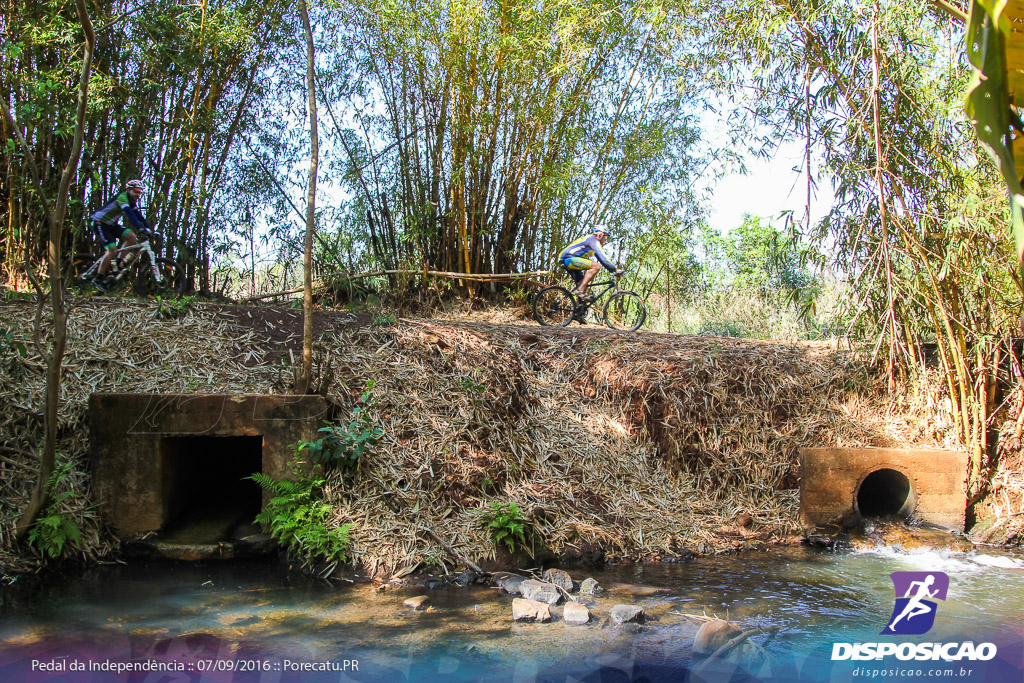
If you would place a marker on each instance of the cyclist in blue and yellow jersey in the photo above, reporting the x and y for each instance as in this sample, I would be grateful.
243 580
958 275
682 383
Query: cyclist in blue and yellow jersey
584 258
106 223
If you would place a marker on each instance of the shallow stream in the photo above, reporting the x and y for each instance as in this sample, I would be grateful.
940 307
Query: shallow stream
219 621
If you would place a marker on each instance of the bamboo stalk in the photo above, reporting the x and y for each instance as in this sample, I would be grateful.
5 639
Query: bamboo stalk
306 381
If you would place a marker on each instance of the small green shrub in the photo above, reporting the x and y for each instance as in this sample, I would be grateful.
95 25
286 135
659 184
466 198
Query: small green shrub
300 521
472 387
507 524
341 447
519 296
53 533
721 328
9 345
15 295
173 308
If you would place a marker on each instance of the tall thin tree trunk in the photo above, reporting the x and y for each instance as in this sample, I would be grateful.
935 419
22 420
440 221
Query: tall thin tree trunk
55 217
306 379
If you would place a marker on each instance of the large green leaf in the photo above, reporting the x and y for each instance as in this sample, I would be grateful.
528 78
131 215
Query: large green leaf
988 102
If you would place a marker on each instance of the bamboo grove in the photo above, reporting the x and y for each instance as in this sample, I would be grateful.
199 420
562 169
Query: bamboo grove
919 226
480 136
170 89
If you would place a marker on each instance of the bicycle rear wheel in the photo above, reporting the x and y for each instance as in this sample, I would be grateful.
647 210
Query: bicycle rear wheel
625 311
171 282
554 306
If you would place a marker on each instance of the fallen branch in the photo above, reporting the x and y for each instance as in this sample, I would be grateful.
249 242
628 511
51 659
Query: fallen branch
453 552
476 277
17 452
732 643
697 617
316 286
15 463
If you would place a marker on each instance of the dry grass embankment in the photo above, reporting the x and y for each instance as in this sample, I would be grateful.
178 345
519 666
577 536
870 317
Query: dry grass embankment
641 445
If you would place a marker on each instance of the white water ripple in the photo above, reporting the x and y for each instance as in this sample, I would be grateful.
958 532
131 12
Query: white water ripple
951 561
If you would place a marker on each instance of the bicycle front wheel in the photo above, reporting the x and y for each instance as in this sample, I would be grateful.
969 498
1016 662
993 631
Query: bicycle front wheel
625 311
554 306
171 282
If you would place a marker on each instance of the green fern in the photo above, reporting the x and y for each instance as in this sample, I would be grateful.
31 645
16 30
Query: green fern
54 533
507 525
301 522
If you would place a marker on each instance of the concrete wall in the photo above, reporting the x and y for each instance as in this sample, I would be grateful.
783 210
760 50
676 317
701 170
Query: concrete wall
831 479
130 468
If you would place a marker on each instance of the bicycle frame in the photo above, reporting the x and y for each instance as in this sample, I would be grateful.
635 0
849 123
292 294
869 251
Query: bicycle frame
609 285
133 253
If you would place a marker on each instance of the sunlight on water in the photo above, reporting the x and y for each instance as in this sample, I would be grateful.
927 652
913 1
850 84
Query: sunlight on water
246 607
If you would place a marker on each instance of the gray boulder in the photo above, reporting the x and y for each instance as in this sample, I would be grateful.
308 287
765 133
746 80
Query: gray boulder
530 610
466 578
590 587
575 614
508 582
540 591
559 578
627 614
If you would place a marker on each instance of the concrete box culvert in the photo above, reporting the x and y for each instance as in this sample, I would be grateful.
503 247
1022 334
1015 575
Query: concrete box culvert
843 485
148 451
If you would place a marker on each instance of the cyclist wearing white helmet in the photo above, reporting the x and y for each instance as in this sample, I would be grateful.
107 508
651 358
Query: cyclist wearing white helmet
584 258
106 222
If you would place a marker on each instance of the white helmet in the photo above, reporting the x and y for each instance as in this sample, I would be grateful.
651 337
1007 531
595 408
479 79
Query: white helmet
134 184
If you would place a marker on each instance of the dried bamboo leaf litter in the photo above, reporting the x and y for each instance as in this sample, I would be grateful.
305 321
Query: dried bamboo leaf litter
641 444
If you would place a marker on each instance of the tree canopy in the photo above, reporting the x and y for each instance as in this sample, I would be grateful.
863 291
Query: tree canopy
480 137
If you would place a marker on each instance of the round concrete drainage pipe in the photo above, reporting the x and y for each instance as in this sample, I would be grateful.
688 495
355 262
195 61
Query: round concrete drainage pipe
885 492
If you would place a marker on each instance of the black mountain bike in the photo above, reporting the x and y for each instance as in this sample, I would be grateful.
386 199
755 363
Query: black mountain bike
149 275
557 306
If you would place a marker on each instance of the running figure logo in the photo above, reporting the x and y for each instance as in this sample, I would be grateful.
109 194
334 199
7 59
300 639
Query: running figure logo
916 592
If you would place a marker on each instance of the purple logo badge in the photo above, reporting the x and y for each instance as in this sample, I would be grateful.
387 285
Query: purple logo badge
916 593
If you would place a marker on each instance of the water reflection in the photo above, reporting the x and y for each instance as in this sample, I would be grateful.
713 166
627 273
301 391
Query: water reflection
261 607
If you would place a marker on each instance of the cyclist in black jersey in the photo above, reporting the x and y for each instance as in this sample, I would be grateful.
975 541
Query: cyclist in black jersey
106 222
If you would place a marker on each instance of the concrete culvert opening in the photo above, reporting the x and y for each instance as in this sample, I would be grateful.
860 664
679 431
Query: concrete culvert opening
885 492
206 495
